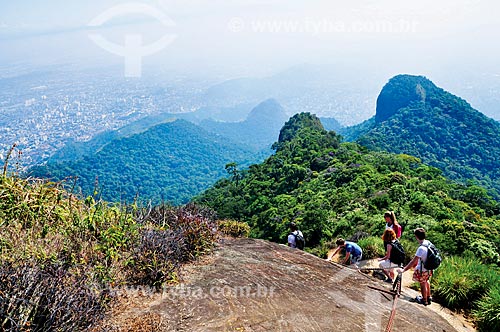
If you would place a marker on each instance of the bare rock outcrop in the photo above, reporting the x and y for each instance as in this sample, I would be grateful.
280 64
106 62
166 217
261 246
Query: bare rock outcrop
255 285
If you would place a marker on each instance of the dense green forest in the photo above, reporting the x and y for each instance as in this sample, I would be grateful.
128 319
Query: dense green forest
417 118
331 189
170 162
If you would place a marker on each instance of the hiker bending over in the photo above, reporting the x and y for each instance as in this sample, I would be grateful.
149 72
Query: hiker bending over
353 252
421 274
392 223
387 261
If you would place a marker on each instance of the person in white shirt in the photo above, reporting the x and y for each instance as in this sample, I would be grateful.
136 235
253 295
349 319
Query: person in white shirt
421 274
292 237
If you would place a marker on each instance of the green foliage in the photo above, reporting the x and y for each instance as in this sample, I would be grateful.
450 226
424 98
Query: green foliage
461 281
347 192
373 247
233 228
417 118
170 162
297 122
487 311
485 251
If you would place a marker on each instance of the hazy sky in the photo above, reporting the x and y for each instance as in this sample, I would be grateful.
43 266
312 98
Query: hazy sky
265 33
259 37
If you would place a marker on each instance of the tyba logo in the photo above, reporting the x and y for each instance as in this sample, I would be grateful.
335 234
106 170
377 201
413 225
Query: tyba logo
133 51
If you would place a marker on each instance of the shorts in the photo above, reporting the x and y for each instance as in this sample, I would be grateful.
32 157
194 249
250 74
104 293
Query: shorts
387 264
355 259
421 276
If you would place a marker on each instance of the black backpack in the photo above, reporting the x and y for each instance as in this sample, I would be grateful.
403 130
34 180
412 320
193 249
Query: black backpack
397 253
300 242
433 257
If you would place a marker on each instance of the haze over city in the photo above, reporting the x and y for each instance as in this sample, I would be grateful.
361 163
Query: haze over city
65 72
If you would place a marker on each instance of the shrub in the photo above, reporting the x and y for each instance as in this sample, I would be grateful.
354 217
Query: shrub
170 236
460 281
157 257
195 223
372 247
57 250
233 228
487 310
48 298
485 251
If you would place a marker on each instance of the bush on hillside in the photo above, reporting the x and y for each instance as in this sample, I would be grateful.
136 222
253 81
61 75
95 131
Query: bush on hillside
487 310
373 247
485 251
233 228
47 298
458 282
170 236
57 252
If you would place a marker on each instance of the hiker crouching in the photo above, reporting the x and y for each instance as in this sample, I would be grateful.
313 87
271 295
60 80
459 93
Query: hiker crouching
353 252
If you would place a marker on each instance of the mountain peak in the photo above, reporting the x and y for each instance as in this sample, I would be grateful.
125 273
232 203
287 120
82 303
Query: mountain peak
297 122
268 109
400 92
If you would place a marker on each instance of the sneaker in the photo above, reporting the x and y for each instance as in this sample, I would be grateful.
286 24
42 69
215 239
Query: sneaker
388 280
420 300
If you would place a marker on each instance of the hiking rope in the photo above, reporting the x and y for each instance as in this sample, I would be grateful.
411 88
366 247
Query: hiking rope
396 287
379 268
393 313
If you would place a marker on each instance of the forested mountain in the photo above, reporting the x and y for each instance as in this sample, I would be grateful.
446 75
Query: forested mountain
334 189
418 118
76 150
259 130
169 162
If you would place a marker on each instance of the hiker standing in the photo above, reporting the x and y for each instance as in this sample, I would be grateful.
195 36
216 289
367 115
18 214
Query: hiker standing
421 274
392 223
353 252
295 238
393 255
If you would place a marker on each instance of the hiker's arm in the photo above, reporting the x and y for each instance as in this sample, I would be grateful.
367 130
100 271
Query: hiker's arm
411 264
387 254
347 254
329 258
